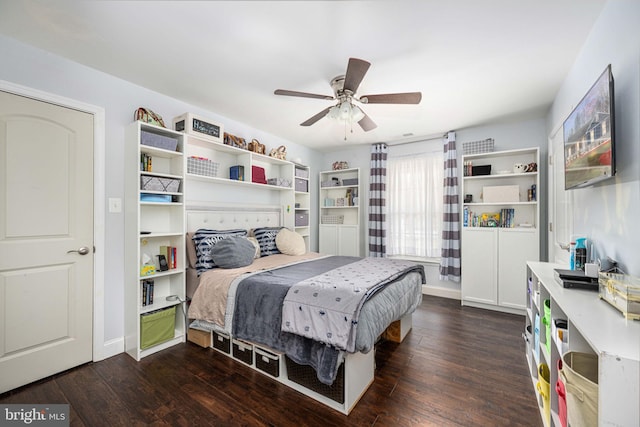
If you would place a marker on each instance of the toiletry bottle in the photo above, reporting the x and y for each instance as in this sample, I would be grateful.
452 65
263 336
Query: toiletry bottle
581 254
572 252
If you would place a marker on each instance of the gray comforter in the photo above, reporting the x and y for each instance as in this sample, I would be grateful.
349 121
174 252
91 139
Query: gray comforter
258 312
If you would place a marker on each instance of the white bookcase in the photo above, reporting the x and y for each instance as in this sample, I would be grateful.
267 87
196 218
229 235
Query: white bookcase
302 209
594 327
339 230
153 219
494 257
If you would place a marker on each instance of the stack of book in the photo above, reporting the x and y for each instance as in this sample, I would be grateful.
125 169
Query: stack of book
147 292
170 254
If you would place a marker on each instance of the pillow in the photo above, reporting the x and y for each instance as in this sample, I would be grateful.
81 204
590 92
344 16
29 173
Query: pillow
192 257
233 252
255 243
290 243
266 237
204 240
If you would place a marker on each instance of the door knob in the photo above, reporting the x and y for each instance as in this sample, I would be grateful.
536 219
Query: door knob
82 251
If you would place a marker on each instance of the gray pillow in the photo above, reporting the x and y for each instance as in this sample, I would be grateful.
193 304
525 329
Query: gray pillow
233 252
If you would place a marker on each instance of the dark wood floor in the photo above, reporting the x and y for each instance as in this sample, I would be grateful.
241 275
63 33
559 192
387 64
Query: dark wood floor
459 366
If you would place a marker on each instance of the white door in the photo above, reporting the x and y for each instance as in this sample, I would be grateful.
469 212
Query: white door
515 247
46 239
480 265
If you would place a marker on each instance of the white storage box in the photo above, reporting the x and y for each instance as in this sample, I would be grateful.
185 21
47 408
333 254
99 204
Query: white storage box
202 166
199 126
501 194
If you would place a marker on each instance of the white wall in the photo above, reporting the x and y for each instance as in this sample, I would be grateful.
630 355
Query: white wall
608 212
37 69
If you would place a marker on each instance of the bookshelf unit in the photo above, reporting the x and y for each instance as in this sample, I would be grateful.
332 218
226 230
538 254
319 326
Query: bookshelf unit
302 203
154 220
491 280
339 230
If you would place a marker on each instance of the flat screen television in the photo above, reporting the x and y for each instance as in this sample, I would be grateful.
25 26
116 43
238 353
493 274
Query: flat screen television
589 136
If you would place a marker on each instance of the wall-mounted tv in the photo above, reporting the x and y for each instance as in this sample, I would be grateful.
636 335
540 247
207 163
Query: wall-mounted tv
589 140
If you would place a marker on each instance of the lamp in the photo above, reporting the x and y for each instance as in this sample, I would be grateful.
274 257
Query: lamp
346 111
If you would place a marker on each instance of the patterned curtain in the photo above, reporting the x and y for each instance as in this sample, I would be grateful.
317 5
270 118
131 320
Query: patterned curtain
377 202
450 258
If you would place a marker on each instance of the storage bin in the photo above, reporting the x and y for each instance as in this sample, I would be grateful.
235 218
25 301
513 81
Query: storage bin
202 166
199 337
332 219
350 181
562 397
306 376
546 321
302 185
267 361
302 219
221 342
580 377
330 183
158 141
302 173
157 327
501 194
280 182
477 147
258 175
243 351
480 170
154 183
544 390
621 291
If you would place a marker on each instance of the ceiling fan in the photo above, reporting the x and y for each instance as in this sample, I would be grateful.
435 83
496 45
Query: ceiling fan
344 90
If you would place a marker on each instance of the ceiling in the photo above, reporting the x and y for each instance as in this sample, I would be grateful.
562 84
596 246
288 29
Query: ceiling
475 62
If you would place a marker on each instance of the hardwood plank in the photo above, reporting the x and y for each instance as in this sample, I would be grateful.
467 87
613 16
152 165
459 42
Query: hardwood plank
458 366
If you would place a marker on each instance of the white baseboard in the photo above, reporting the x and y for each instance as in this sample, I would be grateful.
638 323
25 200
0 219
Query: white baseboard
110 349
438 291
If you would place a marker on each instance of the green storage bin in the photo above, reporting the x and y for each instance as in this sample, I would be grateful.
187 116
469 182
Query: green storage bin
157 327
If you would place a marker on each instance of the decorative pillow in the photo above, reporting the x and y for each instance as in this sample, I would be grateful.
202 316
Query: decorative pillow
192 257
233 252
266 237
290 243
204 240
255 243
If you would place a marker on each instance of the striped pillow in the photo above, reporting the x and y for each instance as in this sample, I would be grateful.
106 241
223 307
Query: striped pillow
266 237
204 240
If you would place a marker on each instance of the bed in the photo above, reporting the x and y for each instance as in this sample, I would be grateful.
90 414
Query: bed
308 320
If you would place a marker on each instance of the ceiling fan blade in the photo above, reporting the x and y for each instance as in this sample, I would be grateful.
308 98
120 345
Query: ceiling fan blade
302 94
315 118
393 98
367 124
356 69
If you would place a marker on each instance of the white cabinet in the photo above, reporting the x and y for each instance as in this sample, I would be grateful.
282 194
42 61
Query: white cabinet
593 327
154 225
339 231
500 230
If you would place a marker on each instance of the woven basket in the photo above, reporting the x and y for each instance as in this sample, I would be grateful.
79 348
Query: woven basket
332 219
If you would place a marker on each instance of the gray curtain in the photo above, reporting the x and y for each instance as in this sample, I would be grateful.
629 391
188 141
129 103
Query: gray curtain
377 201
450 258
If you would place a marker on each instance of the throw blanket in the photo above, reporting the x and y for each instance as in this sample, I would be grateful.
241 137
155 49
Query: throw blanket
326 307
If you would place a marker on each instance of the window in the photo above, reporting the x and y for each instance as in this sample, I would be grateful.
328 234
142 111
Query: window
414 205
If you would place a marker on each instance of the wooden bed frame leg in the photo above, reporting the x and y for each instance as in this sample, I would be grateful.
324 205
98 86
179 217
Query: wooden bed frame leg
399 329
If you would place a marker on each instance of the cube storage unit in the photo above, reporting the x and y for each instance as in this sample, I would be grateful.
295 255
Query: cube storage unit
597 358
302 205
